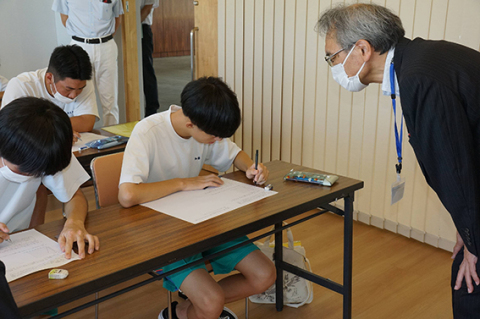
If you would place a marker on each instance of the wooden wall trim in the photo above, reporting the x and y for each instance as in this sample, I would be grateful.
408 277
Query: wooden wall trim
130 61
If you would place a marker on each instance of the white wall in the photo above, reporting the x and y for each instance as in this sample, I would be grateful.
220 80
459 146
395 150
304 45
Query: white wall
294 111
27 35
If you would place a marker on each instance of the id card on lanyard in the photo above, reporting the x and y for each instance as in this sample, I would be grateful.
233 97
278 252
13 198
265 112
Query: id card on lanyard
398 187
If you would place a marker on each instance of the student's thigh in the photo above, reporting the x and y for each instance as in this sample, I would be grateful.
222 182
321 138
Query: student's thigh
228 262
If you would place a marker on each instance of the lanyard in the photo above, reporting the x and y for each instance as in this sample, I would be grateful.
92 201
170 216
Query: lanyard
398 139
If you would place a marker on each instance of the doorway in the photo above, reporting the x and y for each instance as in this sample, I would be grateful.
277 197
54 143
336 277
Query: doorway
172 22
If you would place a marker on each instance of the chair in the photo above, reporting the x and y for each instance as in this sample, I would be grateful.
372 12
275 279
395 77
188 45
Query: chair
106 176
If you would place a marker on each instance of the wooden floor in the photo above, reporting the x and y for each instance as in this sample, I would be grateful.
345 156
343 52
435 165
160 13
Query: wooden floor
393 277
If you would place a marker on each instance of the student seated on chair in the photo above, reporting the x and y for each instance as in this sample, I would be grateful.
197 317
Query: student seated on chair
164 155
36 148
66 82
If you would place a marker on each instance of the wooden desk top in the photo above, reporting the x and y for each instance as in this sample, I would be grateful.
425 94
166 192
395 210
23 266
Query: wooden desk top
137 240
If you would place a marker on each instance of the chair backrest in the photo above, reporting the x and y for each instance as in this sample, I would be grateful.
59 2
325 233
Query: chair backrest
106 175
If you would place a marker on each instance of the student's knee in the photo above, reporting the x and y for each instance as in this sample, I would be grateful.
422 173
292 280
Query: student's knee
264 277
210 303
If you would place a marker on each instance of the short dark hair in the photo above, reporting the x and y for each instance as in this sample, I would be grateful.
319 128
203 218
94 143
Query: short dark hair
348 24
212 106
36 135
70 61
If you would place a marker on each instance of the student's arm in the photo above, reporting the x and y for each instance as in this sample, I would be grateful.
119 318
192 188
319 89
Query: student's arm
64 18
74 228
244 163
83 123
131 194
145 11
118 21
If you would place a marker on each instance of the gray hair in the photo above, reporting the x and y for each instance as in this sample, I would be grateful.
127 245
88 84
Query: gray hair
348 24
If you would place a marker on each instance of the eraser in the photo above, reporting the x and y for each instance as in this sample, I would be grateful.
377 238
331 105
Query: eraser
269 187
58 274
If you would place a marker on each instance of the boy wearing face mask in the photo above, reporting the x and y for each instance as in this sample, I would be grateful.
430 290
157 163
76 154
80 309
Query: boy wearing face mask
35 149
66 83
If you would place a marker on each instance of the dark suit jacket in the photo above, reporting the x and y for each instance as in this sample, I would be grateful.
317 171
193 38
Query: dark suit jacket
8 308
440 96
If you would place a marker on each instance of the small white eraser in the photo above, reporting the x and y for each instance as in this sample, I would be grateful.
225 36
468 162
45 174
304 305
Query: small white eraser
58 274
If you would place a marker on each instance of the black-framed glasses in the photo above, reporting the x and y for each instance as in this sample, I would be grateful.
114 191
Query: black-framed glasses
329 58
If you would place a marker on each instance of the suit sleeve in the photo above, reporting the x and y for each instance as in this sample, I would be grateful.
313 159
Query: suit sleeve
447 150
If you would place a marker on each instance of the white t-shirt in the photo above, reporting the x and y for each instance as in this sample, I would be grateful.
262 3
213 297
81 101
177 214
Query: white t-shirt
17 200
33 84
155 152
149 19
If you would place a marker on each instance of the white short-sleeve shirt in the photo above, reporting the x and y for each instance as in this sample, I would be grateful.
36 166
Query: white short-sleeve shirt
17 200
149 19
155 152
89 18
33 84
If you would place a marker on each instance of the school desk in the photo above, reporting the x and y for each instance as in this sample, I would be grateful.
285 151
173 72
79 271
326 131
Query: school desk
136 240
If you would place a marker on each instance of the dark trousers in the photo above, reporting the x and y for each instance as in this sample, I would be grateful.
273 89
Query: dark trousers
8 308
149 79
465 305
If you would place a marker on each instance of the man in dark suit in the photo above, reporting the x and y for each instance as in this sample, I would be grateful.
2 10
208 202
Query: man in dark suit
8 308
439 86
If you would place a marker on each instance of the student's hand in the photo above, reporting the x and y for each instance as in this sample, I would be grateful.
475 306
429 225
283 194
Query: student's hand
74 231
4 232
76 136
201 182
259 175
467 269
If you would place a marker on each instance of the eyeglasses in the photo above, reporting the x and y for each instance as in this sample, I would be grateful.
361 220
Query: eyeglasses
329 58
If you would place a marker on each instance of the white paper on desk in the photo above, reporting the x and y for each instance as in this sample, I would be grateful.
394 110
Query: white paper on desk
86 137
200 205
29 252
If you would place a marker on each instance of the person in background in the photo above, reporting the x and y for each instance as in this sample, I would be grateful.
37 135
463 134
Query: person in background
164 155
36 149
66 82
438 83
149 79
92 25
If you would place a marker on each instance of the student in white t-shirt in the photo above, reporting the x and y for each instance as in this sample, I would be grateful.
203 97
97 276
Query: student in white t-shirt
66 82
164 155
36 149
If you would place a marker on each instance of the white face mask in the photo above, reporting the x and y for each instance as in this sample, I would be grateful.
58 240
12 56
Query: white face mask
11 176
58 96
353 83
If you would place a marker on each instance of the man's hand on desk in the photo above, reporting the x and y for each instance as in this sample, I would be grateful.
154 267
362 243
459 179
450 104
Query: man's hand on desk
4 232
74 231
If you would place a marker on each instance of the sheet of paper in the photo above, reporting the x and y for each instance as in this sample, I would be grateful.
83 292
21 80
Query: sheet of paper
29 252
200 205
86 137
124 129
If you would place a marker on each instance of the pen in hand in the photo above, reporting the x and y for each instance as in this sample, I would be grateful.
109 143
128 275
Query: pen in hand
256 164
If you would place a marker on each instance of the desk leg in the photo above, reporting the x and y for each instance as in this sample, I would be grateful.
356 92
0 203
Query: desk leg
278 257
347 257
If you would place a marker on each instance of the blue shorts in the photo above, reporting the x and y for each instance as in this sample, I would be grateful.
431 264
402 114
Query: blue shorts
221 265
